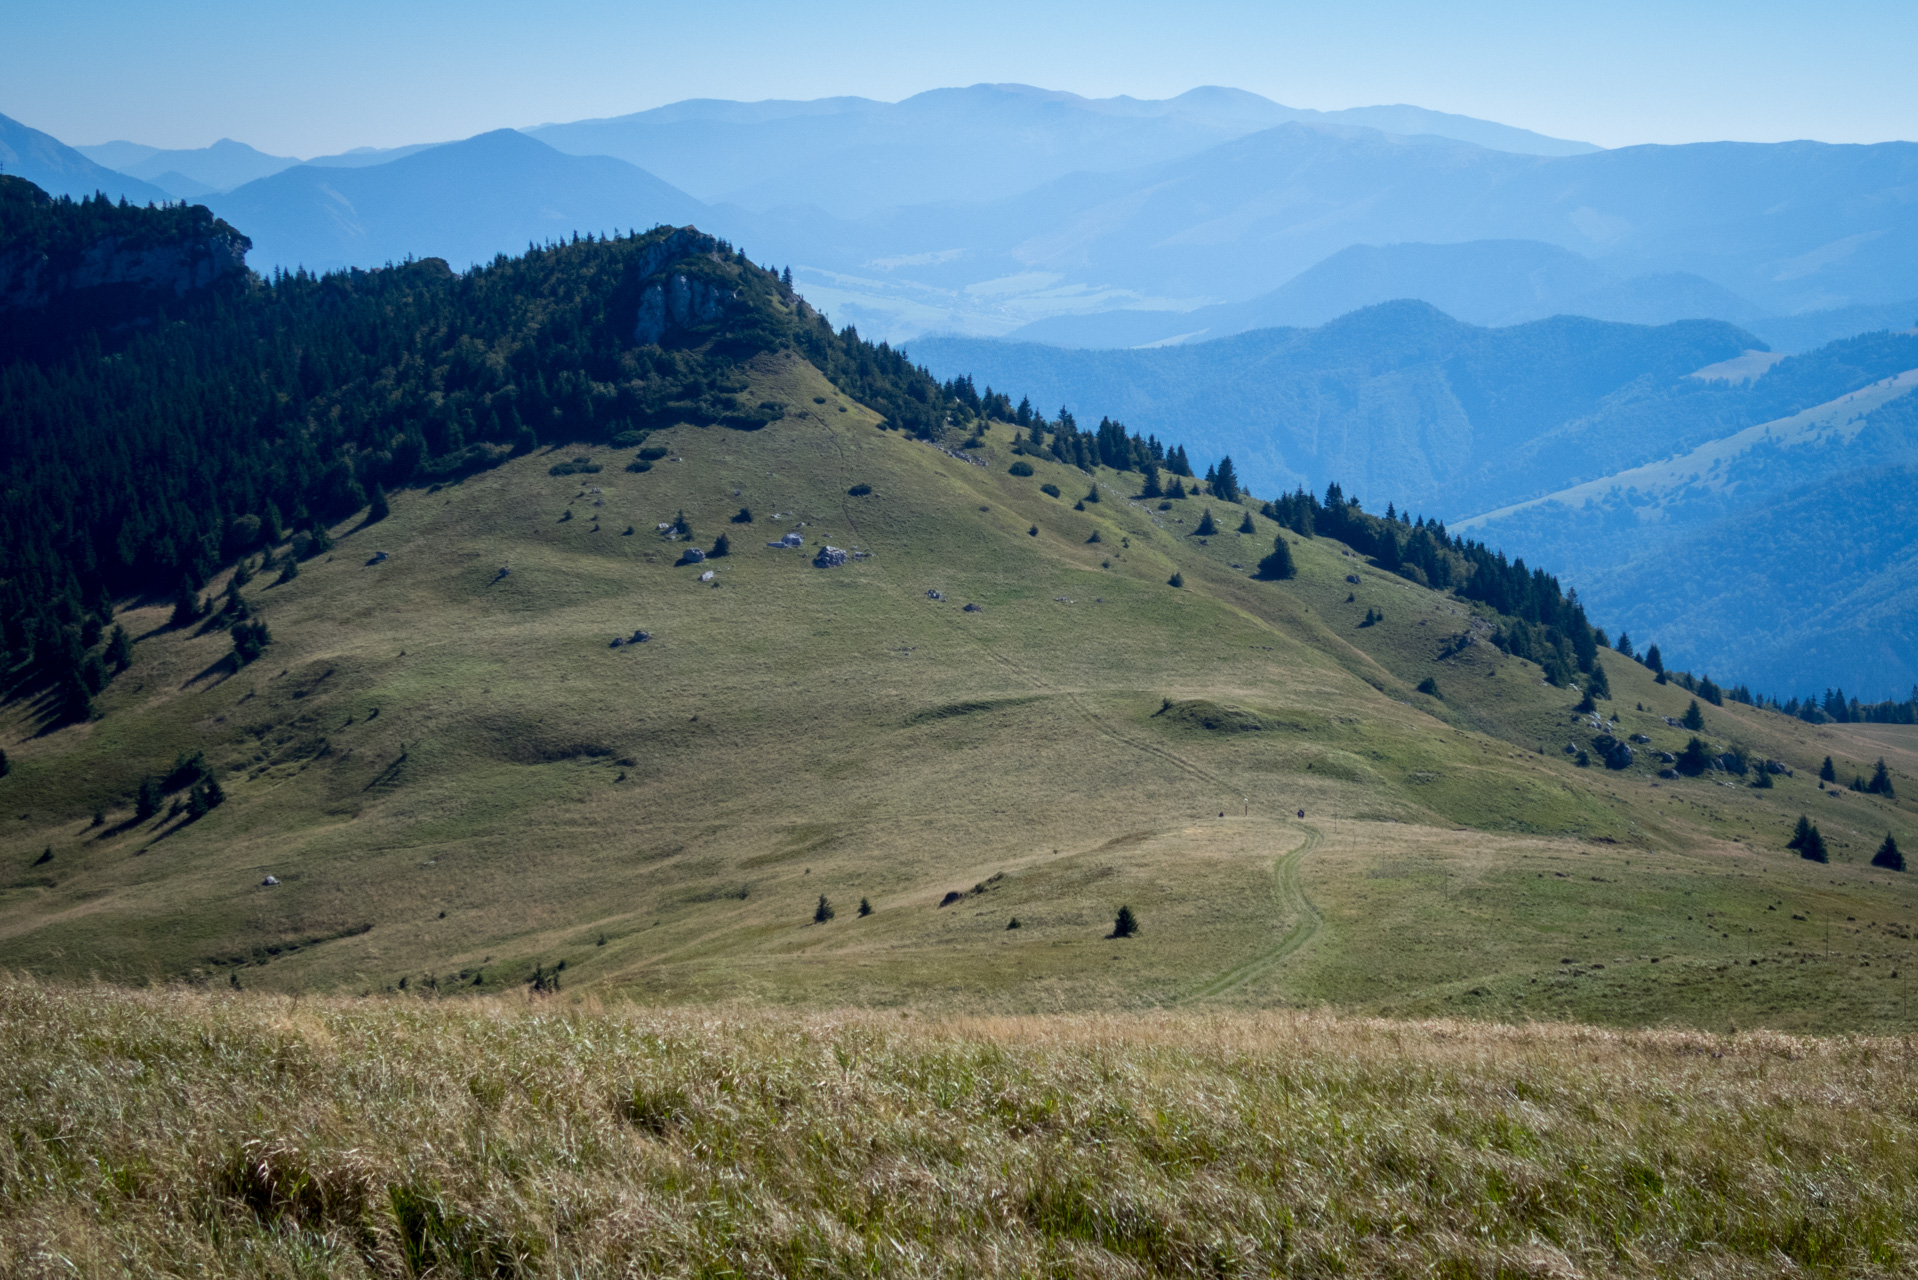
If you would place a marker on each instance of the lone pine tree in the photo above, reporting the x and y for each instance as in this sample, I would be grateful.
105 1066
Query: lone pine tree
1278 565
1888 855
1694 718
1125 924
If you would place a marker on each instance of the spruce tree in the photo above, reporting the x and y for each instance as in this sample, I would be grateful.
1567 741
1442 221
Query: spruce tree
1880 784
865 907
186 605
378 509
1653 661
119 649
1225 481
1206 528
1827 772
823 912
1277 566
1693 760
1623 648
6 765
1888 855
1151 489
1694 718
1092 494
722 546
1176 580
1600 685
147 803
1177 490
1246 525
1125 924
1801 834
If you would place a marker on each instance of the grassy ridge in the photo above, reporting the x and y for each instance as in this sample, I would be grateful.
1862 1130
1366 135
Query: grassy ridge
230 1135
457 781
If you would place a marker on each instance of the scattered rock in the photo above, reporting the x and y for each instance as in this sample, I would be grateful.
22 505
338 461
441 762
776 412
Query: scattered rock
1666 757
706 576
691 555
1668 773
379 557
1641 739
975 608
829 557
270 880
790 540
640 637
1352 578
615 643
935 594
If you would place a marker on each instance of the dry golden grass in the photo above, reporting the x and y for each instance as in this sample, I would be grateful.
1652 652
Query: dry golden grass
169 1131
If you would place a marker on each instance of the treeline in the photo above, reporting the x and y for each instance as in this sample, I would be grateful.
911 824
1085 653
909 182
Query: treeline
258 410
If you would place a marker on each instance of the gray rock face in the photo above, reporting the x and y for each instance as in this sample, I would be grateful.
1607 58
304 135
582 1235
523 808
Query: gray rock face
790 540
31 280
1615 753
692 555
829 558
678 302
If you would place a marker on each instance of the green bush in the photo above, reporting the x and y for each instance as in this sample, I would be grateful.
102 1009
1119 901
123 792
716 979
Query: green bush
1020 468
1050 490
1125 924
1429 687
1176 580
823 912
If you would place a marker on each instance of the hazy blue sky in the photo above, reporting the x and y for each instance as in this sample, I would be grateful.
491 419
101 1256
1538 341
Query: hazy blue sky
305 78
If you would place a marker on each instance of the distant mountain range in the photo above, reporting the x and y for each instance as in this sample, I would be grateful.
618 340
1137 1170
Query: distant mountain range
1005 209
443 202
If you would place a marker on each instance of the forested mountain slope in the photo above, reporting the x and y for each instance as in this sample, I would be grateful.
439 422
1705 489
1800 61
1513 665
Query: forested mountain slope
621 613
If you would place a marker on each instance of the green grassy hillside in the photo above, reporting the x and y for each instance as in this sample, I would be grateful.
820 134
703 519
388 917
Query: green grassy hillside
457 783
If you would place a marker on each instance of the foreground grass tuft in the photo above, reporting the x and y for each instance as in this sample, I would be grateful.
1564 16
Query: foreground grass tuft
173 1131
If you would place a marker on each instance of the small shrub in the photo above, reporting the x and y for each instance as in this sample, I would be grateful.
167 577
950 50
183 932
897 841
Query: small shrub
1246 525
288 571
823 912
44 858
1033 532
1825 771
1095 537
1092 495
250 640
1429 687
1206 526
637 465
722 546
377 509
1125 924
1888 855
653 454
6 765
859 491
1763 781
1693 760
745 516
1050 490
581 465
865 908
1020 468
1176 580
1013 923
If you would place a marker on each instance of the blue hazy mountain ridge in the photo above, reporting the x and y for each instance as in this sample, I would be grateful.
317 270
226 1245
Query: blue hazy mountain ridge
1397 402
189 173
58 169
1766 229
1789 227
1484 282
852 156
1782 549
464 202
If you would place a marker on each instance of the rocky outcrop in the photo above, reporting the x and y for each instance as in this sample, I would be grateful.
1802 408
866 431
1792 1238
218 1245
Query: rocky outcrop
679 302
31 279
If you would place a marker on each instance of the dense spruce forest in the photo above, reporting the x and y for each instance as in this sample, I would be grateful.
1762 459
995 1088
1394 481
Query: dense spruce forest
143 452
